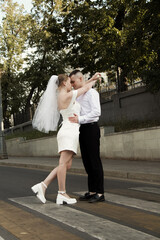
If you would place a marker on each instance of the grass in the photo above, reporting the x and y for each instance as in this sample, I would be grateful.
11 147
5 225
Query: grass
28 135
125 125
120 126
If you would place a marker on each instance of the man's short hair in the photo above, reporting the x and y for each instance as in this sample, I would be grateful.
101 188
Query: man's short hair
74 72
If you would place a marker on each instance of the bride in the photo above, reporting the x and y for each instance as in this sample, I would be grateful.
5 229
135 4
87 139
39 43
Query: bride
59 98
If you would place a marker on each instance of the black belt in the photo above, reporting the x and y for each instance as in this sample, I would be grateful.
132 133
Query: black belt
89 124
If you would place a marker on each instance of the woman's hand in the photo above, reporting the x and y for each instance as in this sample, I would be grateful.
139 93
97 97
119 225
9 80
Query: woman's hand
95 77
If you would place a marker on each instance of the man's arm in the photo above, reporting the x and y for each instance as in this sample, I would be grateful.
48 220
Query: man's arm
74 119
95 110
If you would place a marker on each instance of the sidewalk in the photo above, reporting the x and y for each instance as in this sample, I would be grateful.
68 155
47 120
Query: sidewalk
147 171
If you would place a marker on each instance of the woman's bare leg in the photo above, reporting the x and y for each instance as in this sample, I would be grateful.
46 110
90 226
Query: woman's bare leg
53 174
65 158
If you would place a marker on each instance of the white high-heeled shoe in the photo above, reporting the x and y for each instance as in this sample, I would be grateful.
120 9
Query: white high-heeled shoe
38 190
62 199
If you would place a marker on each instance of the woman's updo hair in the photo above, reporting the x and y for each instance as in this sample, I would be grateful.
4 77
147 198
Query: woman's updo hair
61 78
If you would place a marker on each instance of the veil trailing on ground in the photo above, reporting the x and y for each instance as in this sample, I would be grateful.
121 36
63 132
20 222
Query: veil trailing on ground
46 116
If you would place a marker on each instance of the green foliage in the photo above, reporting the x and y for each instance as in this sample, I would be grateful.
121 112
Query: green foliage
119 34
91 37
120 126
121 37
47 38
151 79
39 32
13 35
126 125
33 134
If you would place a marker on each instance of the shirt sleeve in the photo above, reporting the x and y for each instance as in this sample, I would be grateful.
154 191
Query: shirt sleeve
94 108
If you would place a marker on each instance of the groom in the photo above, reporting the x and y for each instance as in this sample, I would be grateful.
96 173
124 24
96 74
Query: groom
89 138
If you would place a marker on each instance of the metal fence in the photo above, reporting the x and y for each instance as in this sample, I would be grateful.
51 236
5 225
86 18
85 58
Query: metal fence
27 115
23 116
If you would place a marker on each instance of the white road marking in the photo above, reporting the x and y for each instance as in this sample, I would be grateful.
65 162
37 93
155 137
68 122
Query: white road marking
97 227
131 202
1 238
147 189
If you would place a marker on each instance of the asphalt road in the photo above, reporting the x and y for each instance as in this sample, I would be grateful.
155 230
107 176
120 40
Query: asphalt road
131 210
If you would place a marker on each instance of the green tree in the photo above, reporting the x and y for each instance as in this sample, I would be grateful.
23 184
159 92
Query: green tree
148 56
123 35
91 36
95 35
46 38
111 35
13 34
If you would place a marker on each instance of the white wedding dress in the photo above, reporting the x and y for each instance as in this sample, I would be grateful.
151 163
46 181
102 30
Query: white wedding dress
68 135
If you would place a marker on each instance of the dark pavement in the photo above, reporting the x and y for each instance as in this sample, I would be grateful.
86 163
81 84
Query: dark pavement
148 171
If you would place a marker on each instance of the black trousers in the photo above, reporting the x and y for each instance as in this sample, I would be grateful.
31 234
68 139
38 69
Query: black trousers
89 139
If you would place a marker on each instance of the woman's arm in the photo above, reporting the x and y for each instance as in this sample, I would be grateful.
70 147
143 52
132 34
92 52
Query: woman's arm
85 88
88 84
95 77
65 99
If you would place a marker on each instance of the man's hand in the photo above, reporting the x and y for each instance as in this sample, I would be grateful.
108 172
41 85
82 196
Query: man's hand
74 119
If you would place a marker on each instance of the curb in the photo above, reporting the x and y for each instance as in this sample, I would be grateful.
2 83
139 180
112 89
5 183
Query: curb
151 178
145 177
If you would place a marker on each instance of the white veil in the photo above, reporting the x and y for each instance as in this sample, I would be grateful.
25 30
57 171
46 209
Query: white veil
46 116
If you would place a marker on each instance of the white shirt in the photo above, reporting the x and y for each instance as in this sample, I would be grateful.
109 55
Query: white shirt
90 107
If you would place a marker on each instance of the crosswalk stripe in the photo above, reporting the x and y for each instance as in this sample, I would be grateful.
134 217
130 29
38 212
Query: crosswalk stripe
146 196
131 202
97 227
147 189
1 238
132 217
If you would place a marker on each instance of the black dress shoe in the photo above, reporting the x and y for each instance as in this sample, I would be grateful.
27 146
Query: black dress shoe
86 196
97 198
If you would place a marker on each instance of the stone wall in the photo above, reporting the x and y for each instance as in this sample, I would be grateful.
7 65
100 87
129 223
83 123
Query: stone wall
136 104
141 144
